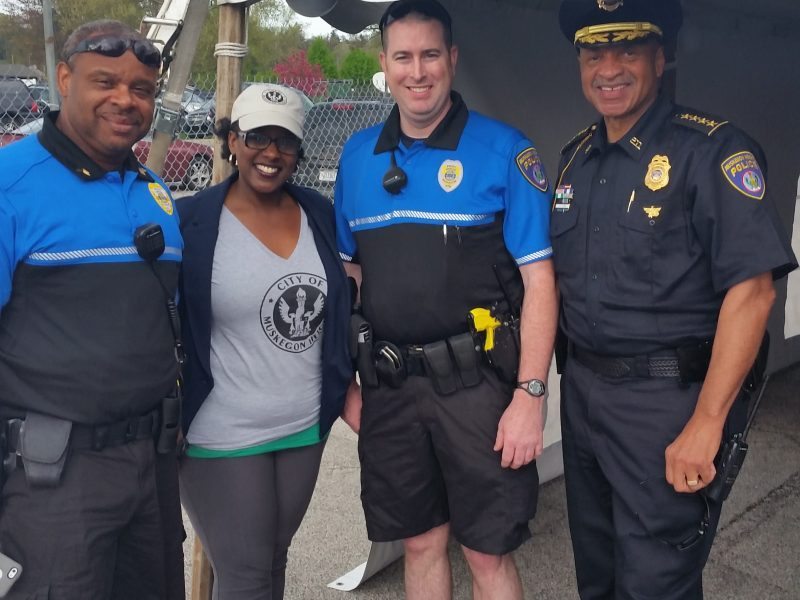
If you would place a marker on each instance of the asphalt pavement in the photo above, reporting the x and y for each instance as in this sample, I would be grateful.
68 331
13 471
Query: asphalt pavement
756 555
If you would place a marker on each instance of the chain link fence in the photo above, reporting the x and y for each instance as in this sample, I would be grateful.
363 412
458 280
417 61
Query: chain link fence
334 111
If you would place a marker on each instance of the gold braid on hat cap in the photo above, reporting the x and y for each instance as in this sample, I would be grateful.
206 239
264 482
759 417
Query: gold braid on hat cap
611 33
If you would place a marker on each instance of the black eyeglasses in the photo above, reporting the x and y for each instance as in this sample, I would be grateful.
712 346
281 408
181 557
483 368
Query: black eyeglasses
255 140
429 8
115 46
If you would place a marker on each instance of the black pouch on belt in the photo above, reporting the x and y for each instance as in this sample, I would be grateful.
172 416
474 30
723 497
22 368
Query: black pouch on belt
44 446
170 421
466 358
439 367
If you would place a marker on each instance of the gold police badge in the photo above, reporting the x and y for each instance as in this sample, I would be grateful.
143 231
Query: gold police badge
657 173
451 172
161 197
609 5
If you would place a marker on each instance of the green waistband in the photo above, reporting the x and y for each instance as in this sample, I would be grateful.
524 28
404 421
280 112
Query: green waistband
307 437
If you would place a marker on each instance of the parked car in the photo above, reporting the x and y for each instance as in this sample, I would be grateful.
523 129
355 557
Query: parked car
41 94
17 106
188 164
328 126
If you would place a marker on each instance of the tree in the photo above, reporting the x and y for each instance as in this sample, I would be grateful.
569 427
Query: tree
359 65
297 72
319 53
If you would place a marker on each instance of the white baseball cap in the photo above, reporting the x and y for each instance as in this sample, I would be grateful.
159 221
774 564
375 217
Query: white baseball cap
262 105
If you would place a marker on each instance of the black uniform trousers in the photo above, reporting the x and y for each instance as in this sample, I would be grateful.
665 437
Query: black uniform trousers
100 534
633 536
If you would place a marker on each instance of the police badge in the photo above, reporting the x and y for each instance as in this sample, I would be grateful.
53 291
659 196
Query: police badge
609 5
657 173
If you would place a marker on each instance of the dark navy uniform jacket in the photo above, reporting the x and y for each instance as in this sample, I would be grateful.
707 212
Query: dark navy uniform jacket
477 197
650 232
84 332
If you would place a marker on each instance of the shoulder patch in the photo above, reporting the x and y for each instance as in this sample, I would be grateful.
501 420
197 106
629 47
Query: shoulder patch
702 122
743 173
530 165
581 135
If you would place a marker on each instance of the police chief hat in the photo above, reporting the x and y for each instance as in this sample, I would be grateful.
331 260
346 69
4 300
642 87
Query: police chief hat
430 8
588 23
262 105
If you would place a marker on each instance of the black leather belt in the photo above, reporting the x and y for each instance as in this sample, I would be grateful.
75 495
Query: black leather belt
98 437
627 366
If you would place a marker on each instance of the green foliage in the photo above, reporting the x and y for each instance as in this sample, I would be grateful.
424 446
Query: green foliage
359 65
319 53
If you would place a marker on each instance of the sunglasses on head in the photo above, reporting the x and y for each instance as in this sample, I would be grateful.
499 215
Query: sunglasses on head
115 46
255 140
401 9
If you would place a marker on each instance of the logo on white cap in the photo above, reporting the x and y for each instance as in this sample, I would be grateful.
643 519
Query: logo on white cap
274 96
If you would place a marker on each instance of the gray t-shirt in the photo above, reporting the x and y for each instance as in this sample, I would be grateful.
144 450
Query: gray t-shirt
266 330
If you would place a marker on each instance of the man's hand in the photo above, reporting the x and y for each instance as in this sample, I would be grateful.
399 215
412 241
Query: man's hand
351 414
690 458
519 433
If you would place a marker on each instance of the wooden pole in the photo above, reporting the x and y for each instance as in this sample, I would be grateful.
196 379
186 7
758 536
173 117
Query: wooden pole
232 34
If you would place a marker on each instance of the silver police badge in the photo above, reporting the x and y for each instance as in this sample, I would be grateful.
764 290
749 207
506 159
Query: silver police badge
609 5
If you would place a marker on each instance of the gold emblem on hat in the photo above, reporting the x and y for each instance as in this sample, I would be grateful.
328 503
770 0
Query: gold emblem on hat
652 212
657 173
609 5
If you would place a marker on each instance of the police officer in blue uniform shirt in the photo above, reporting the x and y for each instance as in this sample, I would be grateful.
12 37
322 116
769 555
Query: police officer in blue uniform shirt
666 245
438 210
87 353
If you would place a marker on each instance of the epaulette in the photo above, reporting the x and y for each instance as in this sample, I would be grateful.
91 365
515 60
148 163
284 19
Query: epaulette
702 122
582 135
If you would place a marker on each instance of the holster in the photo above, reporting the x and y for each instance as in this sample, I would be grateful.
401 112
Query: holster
504 357
43 447
170 421
693 361
361 350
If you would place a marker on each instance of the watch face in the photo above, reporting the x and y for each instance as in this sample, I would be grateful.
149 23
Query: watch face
535 388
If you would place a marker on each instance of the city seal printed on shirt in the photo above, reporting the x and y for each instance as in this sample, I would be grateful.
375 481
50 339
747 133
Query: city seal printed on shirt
292 311
743 173
657 176
450 175
530 165
161 196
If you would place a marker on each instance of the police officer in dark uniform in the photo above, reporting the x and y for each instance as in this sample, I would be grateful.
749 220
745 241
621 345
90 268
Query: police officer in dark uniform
665 246
89 256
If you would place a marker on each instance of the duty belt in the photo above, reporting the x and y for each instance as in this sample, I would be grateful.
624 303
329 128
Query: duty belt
627 366
98 437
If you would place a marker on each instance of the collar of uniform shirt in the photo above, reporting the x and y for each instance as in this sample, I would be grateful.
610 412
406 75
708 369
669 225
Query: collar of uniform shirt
445 137
635 141
71 156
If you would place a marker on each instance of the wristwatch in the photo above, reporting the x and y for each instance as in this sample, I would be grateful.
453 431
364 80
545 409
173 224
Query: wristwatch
535 387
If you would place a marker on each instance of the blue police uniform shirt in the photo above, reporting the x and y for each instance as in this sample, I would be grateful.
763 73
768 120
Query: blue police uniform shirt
650 232
84 333
475 208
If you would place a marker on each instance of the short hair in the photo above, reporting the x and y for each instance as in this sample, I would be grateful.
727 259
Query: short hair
424 10
94 29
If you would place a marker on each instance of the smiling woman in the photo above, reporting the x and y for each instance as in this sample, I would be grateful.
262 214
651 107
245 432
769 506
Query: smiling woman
259 400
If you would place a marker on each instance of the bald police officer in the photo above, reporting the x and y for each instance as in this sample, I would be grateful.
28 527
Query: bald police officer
665 249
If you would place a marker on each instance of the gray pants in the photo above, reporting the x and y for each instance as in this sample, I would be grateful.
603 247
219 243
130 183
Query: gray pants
246 511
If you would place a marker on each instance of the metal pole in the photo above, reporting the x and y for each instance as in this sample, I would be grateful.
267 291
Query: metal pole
50 53
167 120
